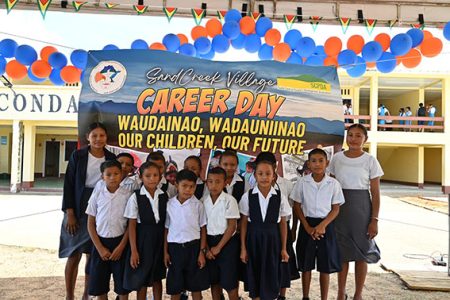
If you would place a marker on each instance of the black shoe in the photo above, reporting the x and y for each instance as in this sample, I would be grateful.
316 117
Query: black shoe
222 297
184 296
281 297
305 298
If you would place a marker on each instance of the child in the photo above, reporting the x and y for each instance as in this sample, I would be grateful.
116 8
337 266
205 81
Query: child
107 229
222 213
358 173
193 163
264 233
236 184
317 199
158 158
185 240
82 174
146 211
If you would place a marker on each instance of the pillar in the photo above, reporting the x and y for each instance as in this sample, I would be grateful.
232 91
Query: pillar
16 157
446 168
355 102
421 167
374 102
446 105
29 149
373 148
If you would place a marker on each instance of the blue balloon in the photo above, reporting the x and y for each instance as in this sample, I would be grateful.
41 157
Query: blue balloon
110 47
203 45
447 31
239 42
172 42
57 60
306 47
401 44
233 15
220 43
262 25
372 51
82 76
292 37
55 77
2 65
320 51
315 60
26 55
295 59
79 58
358 69
188 49
346 59
8 48
265 52
209 55
416 36
34 78
139 44
386 63
252 43
231 30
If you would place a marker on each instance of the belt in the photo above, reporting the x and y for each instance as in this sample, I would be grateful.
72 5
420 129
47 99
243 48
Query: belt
187 244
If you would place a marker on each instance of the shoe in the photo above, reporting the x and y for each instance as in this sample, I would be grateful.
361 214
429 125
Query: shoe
222 297
305 298
281 297
184 296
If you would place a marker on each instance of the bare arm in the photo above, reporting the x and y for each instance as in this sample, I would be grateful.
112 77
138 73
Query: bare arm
166 249
231 229
299 213
283 233
134 259
321 228
102 250
244 223
372 230
117 252
201 256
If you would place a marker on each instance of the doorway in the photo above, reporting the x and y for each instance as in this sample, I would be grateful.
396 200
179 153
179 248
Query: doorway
52 158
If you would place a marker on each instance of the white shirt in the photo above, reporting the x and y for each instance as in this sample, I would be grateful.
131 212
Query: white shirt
132 209
286 187
108 208
217 214
184 220
285 209
432 110
355 173
129 183
235 179
171 189
316 200
93 173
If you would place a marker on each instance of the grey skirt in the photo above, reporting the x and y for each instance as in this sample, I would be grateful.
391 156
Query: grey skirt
351 228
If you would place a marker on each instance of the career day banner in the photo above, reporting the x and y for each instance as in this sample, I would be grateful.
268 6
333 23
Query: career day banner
161 100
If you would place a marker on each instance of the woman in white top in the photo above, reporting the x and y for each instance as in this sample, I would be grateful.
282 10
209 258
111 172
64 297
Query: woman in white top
357 223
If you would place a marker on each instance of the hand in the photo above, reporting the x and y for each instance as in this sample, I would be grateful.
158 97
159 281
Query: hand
201 260
209 255
117 253
215 250
167 261
284 256
372 230
310 230
244 256
104 253
72 223
319 231
134 259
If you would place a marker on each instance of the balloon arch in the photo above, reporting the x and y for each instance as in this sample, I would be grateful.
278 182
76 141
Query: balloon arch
383 53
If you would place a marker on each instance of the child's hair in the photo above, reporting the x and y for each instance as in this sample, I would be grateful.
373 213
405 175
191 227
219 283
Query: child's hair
196 158
186 175
126 154
146 165
229 152
359 126
317 151
264 160
109 164
156 156
96 125
218 171
266 156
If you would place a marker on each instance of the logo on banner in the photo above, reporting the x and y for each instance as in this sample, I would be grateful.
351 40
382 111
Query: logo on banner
304 82
107 77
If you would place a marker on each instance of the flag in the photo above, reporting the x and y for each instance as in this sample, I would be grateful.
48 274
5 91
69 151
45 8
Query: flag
418 26
43 6
392 23
110 5
10 4
198 15
314 22
140 9
170 12
78 4
345 23
255 16
370 25
289 20
221 15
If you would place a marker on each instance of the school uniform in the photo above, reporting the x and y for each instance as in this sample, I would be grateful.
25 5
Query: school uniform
223 270
200 189
150 213
237 187
167 187
264 241
110 224
78 187
184 222
316 199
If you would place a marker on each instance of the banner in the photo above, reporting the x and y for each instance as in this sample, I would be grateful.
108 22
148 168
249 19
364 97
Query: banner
152 100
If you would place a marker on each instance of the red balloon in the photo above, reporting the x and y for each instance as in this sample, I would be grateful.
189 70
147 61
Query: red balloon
427 35
198 31
355 43
16 70
213 27
371 64
70 74
333 46
41 69
47 51
431 47
158 46
384 39
272 37
411 59
247 25
183 38
281 52
330 61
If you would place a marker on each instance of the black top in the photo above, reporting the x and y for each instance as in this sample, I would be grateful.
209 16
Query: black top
273 210
144 207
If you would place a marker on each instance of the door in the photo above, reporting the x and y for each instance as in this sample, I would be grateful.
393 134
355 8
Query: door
51 158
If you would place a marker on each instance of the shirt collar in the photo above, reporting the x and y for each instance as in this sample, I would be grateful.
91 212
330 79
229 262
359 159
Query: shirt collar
143 191
236 178
220 198
199 181
185 202
271 192
309 178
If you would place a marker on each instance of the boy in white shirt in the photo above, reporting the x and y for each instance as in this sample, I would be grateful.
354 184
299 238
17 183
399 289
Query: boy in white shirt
317 199
107 229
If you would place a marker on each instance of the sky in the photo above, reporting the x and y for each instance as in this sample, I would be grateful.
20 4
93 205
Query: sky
72 30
